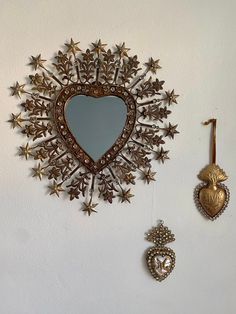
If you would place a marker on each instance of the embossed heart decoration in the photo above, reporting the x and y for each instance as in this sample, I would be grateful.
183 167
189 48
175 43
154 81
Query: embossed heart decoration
212 196
160 259
51 142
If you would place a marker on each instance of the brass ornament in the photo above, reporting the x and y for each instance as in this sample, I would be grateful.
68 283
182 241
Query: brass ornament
212 196
96 72
160 259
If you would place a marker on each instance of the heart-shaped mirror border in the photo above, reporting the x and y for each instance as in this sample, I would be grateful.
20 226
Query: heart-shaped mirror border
95 91
96 72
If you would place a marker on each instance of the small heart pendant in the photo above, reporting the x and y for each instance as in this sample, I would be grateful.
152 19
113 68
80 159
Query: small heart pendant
160 259
161 262
212 197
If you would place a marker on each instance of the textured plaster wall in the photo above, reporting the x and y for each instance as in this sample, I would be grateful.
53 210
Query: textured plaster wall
55 260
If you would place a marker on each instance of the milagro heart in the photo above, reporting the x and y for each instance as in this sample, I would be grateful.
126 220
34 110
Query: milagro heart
212 199
160 261
96 91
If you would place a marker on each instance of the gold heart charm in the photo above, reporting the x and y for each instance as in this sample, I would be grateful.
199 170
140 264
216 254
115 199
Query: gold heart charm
212 197
160 259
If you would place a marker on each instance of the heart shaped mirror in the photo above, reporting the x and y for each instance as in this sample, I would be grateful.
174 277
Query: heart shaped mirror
94 123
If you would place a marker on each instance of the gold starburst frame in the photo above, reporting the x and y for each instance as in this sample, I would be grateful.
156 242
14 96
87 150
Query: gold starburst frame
96 72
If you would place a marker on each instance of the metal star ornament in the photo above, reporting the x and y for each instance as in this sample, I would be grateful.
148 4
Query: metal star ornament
88 208
37 62
18 89
25 151
125 196
162 155
171 97
153 65
38 172
16 120
149 176
122 50
72 47
171 130
129 178
56 188
99 47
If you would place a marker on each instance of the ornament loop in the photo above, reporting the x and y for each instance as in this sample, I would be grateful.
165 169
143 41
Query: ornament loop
213 139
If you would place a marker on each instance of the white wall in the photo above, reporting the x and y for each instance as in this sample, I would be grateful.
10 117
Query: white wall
55 260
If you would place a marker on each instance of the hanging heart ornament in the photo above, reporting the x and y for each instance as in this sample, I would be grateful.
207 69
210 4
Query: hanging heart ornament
160 259
212 197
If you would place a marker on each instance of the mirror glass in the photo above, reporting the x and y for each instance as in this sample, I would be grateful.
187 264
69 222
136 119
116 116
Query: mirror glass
95 123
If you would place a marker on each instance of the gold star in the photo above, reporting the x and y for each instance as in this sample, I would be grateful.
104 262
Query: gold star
149 176
171 130
122 51
16 120
18 89
162 155
171 97
99 47
25 151
37 62
38 172
125 196
129 178
153 66
72 47
56 188
89 208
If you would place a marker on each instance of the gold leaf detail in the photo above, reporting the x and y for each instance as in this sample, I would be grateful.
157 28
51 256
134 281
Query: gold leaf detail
213 174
